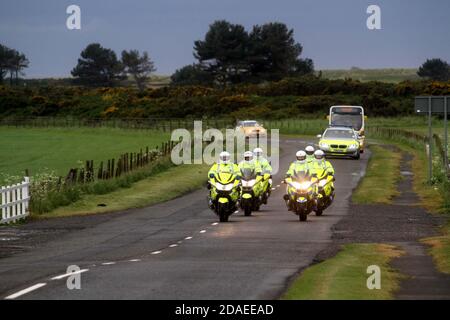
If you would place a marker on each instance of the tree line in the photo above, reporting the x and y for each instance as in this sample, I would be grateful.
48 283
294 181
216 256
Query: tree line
12 62
229 54
99 66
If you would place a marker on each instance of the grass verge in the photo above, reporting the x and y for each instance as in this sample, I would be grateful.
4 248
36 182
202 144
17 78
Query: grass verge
344 276
440 249
434 198
160 187
379 185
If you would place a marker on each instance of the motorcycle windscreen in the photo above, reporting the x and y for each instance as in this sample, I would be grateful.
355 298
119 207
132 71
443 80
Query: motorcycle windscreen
248 174
225 177
300 176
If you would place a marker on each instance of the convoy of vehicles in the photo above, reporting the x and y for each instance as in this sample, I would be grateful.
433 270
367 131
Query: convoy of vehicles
305 192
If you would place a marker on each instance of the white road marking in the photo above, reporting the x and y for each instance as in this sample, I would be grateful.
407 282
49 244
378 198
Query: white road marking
173 245
278 185
203 231
69 274
134 260
108 263
25 291
214 224
273 189
156 252
188 238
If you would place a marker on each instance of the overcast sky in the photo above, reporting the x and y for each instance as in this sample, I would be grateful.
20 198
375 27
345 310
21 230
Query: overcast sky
333 32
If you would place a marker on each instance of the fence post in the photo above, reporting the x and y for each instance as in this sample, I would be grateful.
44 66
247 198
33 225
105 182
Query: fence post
3 202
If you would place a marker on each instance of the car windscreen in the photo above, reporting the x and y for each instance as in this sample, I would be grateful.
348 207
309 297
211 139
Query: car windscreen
250 124
339 134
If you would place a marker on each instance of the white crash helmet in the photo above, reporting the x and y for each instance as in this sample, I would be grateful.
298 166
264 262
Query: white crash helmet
301 155
248 156
309 150
224 157
319 154
258 152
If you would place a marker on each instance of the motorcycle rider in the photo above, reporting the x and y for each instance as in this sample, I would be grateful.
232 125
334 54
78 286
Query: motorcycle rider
250 163
320 164
309 154
224 165
266 172
299 166
263 162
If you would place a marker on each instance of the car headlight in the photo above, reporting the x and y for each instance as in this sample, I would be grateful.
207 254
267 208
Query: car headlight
353 146
324 145
224 187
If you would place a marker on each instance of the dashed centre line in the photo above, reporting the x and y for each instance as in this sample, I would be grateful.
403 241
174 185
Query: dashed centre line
69 274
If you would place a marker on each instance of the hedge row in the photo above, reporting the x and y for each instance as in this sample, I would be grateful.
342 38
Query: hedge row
282 99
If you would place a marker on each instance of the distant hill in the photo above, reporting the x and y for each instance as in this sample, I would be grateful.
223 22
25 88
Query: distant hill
155 81
384 75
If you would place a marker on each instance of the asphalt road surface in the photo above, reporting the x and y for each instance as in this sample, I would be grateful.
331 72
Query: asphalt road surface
177 250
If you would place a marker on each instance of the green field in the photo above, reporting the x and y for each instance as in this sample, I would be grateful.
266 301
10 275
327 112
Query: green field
58 149
392 75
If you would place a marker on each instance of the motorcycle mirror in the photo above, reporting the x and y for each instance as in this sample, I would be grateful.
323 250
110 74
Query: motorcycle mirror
211 175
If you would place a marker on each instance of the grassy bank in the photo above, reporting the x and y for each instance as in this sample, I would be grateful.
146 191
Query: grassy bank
59 149
160 187
344 276
379 185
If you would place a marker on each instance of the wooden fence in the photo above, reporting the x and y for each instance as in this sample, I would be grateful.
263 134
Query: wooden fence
113 168
160 124
15 199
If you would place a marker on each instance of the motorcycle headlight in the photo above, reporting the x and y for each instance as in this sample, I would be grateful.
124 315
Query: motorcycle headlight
249 183
305 185
224 187
323 182
296 185
301 185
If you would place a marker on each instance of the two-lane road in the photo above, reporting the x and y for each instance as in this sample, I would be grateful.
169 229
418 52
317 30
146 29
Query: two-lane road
177 250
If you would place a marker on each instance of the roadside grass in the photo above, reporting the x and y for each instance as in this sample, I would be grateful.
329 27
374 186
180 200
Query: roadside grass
379 185
160 187
439 248
435 199
59 149
344 276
